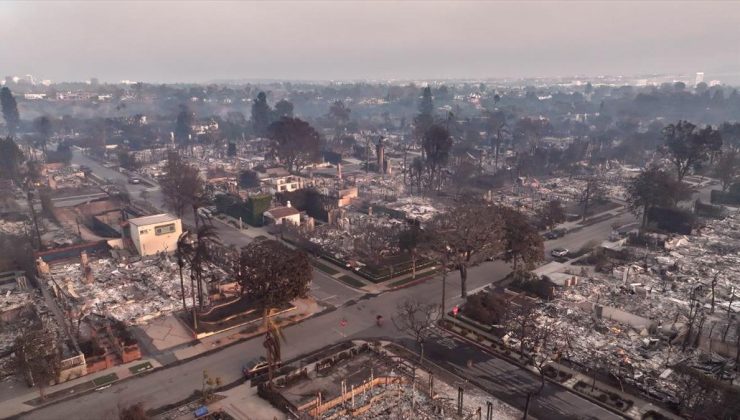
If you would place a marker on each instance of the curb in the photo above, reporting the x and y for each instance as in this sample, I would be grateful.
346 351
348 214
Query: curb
516 363
156 369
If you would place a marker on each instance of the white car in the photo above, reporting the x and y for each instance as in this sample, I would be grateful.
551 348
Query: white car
559 252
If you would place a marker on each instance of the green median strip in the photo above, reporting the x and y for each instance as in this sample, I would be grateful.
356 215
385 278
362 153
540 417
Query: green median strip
140 368
111 377
351 281
409 279
325 268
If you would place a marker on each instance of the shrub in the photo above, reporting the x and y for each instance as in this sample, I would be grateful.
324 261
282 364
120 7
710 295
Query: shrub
487 307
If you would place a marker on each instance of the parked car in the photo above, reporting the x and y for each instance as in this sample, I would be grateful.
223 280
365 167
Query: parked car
559 252
134 181
256 367
554 234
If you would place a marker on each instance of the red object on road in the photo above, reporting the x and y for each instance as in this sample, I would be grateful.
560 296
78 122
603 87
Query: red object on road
343 323
455 310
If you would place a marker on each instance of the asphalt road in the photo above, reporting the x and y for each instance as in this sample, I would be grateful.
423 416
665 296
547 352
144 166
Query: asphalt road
502 379
509 382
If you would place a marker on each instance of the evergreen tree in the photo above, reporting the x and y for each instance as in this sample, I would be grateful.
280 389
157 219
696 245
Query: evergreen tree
260 115
44 130
184 125
11 158
426 107
10 110
283 109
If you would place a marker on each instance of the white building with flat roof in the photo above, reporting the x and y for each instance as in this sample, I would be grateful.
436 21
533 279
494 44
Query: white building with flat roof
157 233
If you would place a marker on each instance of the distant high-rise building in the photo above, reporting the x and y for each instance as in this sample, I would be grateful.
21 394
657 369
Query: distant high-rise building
699 77
94 81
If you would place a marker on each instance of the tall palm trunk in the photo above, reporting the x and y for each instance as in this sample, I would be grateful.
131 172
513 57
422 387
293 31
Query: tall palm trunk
463 280
182 289
194 308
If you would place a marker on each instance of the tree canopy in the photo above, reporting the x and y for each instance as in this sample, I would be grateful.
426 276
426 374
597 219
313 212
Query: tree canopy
11 159
273 274
260 115
294 142
181 184
10 110
687 146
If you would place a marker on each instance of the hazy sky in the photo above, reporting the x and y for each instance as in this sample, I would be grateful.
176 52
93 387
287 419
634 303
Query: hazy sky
330 40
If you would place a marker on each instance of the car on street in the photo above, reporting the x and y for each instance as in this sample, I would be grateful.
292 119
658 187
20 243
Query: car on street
554 234
255 367
559 252
134 181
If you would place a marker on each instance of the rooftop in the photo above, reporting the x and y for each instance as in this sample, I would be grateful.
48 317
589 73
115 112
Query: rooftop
152 220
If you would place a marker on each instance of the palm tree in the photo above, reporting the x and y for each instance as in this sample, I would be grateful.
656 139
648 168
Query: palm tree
200 256
184 248
273 336
198 202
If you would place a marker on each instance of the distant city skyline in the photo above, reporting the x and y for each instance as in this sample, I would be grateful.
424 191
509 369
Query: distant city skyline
405 40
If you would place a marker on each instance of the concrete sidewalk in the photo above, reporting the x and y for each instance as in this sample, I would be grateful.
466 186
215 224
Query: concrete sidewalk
20 403
638 410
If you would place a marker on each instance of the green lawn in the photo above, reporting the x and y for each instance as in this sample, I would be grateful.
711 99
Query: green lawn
323 267
140 368
111 377
409 279
351 281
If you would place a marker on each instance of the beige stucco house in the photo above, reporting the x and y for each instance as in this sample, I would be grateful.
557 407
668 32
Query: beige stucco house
157 233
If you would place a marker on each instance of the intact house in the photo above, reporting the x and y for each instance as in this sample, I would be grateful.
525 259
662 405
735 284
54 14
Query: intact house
153 234
280 215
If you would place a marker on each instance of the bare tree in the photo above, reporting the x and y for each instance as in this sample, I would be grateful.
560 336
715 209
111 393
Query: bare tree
416 319
592 191
181 185
551 214
695 309
521 241
549 342
727 168
437 144
38 357
468 234
521 322
411 240
496 125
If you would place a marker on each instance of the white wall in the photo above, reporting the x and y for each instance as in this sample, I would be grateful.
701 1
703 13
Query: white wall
147 242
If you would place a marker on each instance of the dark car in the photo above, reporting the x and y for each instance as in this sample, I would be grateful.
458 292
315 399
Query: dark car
554 234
